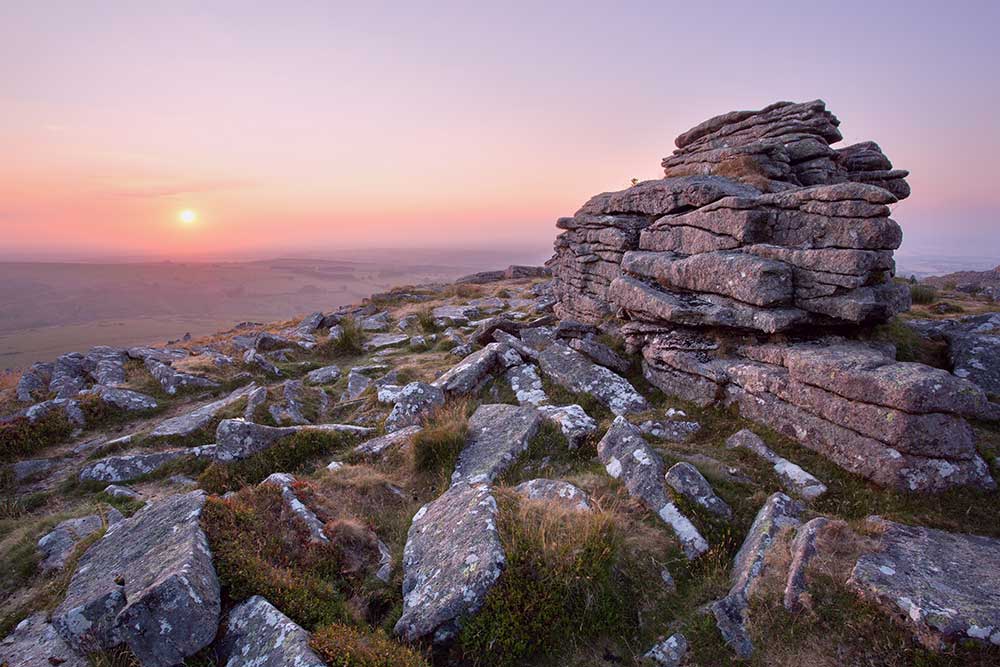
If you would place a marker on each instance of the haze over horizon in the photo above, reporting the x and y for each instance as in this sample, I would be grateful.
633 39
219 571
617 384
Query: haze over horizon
316 128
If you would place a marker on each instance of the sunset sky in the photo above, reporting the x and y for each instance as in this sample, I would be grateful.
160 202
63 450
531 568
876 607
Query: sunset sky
301 127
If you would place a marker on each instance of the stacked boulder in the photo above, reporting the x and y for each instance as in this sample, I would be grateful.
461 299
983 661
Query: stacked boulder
751 274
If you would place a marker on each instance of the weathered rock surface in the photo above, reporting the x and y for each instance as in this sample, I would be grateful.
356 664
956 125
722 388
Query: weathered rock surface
238 438
148 583
470 374
131 466
577 373
670 430
572 420
556 491
526 384
453 556
385 341
124 399
378 446
258 635
190 422
685 479
498 433
973 347
803 551
34 382
626 456
173 380
793 478
286 482
413 403
779 513
57 546
944 587
35 643
324 375
668 653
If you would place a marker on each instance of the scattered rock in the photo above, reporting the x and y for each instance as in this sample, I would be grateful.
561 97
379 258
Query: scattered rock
413 403
58 545
453 556
378 446
670 430
557 491
35 643
944 587
258 635
254 358
470 374
572 420
779 513
119 491
803 551
125 399
357 383
627 457
325 375
187 424
668 653
526 385
130 466
498 433
793 478
685 479
173 380
601 354
34 382
386 341
148 583
575 372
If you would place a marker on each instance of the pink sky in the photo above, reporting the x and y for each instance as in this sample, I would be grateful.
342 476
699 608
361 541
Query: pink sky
299 127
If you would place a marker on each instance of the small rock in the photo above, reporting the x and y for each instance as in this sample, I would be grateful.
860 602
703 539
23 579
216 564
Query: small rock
557 491
413 403
377 446
574 423
325 375
793 478
670 652
35 643
58 545
258 635
119 491
685 479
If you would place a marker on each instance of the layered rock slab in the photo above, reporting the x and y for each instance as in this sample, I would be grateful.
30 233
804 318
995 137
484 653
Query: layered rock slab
497 434
577 373
148 583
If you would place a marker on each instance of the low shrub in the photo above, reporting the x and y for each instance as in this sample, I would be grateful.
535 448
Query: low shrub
560 588
350 343
292 454
259 550
923 294
21 437
425 318
345 646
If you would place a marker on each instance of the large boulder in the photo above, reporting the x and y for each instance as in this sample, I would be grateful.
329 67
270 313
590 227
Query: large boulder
497 434
627 457
453 557
258 635
148 583
944 587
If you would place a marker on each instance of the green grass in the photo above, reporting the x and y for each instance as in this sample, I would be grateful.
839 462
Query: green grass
923 294
549 455
437 446
351 341
560 589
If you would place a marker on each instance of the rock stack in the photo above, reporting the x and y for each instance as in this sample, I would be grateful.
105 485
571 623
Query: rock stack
751 274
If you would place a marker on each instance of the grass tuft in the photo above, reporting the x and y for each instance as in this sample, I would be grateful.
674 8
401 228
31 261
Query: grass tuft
341 645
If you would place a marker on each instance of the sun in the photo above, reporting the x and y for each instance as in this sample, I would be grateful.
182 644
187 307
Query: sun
188 216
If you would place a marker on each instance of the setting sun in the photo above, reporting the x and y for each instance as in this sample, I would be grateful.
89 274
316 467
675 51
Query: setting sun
187 216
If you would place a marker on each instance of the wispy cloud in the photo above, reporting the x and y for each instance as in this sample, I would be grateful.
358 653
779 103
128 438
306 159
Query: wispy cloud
168 190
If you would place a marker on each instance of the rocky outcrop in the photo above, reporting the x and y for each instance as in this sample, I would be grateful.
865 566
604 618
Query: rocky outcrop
148 583
973 347
761 229
238 438
452 558
627 457
944 587
132 466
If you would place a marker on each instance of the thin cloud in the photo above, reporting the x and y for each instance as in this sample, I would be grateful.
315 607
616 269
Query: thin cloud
171 190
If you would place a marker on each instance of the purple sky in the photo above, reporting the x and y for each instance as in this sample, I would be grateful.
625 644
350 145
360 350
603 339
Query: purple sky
302 126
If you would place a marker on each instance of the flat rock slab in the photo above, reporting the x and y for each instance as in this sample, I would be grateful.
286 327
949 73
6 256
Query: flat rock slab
413 403
453 556
58 545
556 491
945 587
385 341
258 635
324 375
685 479
124 468
779 513
35 643
626 456
670 430
498 433
793 478
378 446
238 438
148 583
577 373
187 424
125 399
526 384
469 375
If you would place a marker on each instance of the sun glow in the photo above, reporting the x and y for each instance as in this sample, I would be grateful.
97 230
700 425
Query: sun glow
188 216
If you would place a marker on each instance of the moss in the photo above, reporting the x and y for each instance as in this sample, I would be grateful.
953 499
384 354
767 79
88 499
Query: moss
344 646
258 551
292 454
561 586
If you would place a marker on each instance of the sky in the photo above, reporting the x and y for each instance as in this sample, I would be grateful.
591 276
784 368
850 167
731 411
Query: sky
302 127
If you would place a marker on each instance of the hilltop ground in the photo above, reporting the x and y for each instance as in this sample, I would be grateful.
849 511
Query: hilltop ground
579 587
